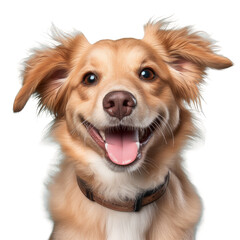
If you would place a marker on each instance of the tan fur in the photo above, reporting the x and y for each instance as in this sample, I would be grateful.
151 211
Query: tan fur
55 75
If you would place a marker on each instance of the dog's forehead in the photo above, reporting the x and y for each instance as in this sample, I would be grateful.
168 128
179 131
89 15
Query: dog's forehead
128 51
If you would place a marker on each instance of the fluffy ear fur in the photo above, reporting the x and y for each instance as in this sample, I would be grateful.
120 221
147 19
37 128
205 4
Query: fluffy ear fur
46 73
187 55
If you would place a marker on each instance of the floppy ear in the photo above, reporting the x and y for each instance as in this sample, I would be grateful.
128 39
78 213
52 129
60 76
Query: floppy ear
45 75
187 56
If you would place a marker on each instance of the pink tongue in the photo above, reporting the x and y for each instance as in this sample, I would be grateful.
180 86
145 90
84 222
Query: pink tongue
122 146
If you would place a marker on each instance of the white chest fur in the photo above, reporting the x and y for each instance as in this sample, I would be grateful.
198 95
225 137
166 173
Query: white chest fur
129 226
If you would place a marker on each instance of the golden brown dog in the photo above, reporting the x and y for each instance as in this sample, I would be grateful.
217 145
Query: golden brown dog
121 120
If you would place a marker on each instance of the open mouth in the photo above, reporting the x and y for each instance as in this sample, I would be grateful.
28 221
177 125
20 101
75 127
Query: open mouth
122 144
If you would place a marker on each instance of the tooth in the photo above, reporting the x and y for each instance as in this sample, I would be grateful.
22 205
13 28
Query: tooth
106 145
102 135
138 144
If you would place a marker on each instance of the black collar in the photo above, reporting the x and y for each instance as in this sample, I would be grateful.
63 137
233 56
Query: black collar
135 205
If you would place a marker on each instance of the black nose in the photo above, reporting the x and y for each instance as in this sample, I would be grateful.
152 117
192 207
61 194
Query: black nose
119 104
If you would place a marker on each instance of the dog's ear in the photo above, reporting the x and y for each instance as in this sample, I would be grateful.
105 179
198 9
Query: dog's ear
187 56
46 73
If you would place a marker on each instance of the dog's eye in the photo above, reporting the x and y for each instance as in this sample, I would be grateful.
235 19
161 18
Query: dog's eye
90 79
147 74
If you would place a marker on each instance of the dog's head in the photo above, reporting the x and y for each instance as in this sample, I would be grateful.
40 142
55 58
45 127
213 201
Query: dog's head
120 97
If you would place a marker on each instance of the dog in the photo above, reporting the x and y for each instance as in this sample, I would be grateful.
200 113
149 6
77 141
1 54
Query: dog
122 118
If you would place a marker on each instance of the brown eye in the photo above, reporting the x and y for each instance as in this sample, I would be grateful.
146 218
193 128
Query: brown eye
147 74
90 79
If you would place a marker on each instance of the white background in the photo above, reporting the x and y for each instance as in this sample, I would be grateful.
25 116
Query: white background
26 159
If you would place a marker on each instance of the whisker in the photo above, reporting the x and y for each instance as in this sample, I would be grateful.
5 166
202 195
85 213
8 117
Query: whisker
166 124
143 168
158 127
163 121
151 163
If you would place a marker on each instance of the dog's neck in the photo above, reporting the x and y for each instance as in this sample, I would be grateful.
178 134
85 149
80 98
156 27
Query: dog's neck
142 199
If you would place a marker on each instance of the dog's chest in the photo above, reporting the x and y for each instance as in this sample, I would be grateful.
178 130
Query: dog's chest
129 226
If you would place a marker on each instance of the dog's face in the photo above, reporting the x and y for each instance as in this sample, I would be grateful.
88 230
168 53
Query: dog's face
120 97
121 100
